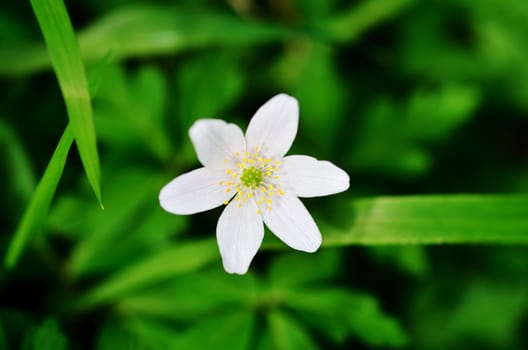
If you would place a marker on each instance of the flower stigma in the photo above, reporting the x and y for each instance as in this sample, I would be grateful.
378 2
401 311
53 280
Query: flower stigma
251 177
255 177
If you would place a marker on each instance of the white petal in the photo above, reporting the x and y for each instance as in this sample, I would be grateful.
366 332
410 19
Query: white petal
215 140
292 223
193 192
239 233
309 177
274 126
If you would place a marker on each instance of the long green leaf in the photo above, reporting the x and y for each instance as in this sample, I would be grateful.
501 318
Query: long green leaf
177 260
65 57
432 220
37 210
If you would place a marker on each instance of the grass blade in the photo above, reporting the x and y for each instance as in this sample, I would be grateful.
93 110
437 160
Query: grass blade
433 219
65 57
37 210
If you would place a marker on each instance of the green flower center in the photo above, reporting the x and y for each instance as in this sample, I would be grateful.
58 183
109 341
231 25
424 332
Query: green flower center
251 177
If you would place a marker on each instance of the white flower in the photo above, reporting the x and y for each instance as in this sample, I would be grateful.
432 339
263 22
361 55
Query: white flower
252 177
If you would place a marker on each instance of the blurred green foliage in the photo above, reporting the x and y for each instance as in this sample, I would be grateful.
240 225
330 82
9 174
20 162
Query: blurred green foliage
425 105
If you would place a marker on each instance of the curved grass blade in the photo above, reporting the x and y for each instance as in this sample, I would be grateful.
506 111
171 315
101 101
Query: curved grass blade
65 57
37 210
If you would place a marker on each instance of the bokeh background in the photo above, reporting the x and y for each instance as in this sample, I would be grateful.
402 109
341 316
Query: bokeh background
409 97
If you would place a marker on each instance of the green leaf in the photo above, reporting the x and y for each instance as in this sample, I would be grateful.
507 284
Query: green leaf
37 211
147 30
227 330
67 63
338 313
193 296
207 86
383 145
306 70
350 24
392 135
433 115
286 333
487 312
165 265
147 334
114 335
135 105
296 269
106 234
426 39
490 311
47 336
432 219
373 326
